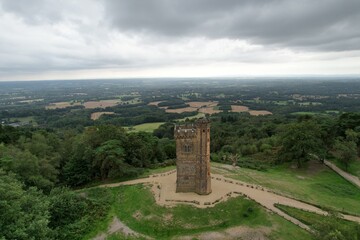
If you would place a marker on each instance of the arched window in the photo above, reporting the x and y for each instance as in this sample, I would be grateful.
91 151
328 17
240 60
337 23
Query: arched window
187 148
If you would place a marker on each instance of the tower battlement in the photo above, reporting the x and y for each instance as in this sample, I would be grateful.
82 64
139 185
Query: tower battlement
193 157
184 131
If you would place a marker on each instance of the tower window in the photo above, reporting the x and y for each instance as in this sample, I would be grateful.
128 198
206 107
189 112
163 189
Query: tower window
187 148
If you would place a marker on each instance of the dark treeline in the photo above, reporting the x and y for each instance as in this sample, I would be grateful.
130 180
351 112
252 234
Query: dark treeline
38 166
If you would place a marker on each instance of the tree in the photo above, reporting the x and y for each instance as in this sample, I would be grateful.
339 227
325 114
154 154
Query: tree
345 151
28 168
24 213
109 159
299 141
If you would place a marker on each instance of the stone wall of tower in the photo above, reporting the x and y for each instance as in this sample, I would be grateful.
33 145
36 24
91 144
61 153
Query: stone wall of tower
193 157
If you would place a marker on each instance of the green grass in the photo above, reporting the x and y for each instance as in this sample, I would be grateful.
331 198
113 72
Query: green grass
145 127
333 111
310 103
317 185
199 115
314 220
353 168
305 113
281 103
136 207
29 119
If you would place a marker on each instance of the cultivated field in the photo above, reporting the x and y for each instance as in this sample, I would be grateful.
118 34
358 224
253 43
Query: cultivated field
181 110
201 107
97 115
237 108
259 112
154 103
145 127
62 105
93 104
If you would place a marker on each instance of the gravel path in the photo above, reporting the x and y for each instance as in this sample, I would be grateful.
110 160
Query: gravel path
164 186
351 178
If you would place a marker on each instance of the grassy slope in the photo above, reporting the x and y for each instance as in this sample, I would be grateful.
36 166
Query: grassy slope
314 220
354 167
136 207
146 127
322 187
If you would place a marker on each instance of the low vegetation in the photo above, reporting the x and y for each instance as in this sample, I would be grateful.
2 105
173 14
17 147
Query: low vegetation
135 206
326 227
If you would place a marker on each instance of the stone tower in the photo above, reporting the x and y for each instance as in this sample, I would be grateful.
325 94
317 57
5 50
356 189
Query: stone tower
193 157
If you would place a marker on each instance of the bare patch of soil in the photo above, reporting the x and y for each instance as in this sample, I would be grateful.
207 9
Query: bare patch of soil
102 103
62 105
97 115
202 104
181 110
209 110
137 215
154 103
117 226
259 112
237 108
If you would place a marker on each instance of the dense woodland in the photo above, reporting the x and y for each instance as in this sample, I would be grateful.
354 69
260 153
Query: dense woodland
42 165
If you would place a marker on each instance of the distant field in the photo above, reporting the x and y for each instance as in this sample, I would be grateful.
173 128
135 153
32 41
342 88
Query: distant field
237 108
32 100
93 104
181 110
201 107
62 105
145 127
30 120
309 103
317 184
97 115
199 115
202 104
102 103
210 107
209 110
305 113
154 103
259 112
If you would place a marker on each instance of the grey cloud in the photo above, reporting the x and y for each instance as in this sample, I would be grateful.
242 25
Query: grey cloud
316 25
34 11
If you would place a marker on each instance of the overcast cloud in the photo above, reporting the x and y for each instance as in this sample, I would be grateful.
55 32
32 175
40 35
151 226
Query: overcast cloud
60 39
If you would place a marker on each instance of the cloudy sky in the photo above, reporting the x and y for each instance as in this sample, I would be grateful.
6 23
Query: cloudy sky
66 39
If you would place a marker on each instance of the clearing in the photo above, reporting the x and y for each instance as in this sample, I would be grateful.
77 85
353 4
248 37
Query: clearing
316 185
238 108
97 115
145 127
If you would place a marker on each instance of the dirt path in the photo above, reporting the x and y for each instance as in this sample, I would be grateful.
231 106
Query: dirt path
117 226
349 177
164 185
239 232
